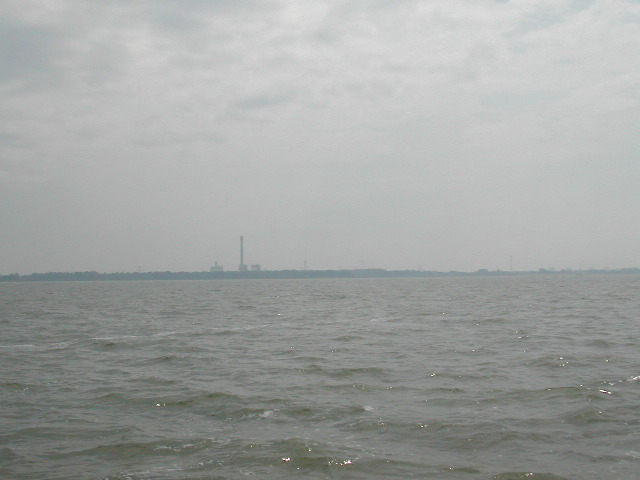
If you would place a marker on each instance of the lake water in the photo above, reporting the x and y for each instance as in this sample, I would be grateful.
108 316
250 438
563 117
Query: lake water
513 378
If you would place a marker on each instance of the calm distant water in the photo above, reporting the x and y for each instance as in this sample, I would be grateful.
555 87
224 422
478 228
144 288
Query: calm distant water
528 378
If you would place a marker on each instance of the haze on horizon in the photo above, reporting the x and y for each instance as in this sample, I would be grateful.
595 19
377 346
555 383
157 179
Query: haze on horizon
442 134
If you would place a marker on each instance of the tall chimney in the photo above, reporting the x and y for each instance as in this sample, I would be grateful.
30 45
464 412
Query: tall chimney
241 253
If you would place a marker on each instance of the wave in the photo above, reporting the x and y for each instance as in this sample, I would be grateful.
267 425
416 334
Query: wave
528 476
343 372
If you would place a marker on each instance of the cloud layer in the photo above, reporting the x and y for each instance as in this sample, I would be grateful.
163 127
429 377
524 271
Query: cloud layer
440 134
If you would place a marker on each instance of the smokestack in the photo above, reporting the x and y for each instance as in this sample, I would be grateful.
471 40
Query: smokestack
242 267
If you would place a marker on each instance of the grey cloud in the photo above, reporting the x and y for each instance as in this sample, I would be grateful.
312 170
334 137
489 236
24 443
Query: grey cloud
265 100
212 6
27 53
189 16
545 16
516 102
11 139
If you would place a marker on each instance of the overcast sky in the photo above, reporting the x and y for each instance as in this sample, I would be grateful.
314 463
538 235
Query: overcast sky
440 134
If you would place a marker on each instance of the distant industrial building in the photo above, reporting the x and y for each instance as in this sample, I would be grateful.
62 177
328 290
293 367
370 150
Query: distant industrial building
242 267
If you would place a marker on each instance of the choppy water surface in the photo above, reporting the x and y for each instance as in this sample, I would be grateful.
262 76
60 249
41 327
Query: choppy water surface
533 377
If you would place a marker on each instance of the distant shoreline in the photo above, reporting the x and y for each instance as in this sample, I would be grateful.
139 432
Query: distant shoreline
291 274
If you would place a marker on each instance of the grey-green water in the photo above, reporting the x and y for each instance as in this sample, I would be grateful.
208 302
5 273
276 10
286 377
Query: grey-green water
534 377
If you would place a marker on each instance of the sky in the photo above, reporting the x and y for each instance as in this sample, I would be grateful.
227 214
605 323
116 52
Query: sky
438 135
